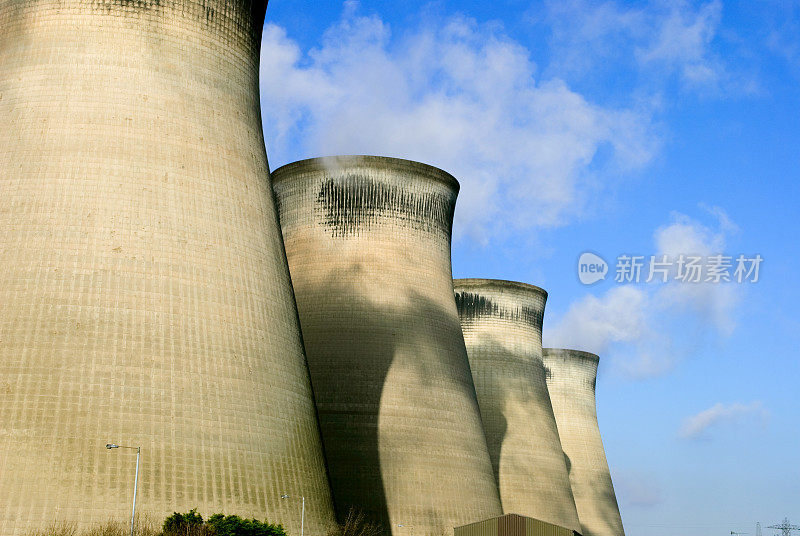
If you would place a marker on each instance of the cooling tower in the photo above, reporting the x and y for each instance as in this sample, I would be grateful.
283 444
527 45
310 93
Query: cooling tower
571 379
502 325
144 293
368 243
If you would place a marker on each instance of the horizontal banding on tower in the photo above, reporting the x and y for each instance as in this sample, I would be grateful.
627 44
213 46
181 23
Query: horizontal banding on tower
502 325
571 380
145 297
368 244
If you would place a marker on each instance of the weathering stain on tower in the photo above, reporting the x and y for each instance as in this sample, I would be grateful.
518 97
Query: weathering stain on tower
144 293
368 243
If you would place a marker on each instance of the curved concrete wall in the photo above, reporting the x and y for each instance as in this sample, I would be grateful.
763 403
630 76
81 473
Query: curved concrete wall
144 293
502 325
571 378
368 243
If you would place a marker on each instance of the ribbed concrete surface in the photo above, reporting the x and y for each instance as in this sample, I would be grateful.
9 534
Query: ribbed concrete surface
571 378
368 243
502 325
144 293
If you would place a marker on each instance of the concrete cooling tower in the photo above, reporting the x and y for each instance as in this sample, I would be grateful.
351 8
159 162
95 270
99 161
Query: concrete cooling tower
368 243
571 378
144 293
502 325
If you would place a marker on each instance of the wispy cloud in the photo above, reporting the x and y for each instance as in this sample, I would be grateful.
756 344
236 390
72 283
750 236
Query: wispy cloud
457 94
682 44
644 329
637 488
782 37
699 426
663 41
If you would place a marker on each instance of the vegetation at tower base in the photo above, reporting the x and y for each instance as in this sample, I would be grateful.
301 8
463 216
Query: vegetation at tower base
193 524
502 326
110 527
356 524
571 380
368 244
144 293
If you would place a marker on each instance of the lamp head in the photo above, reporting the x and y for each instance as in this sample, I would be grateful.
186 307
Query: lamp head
111 446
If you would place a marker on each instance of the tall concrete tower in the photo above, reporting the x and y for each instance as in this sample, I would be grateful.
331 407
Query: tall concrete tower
368 243
571 379
144 293
502 325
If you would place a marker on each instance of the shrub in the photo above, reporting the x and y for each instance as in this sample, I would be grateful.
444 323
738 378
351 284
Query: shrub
234 525
192 524
188 524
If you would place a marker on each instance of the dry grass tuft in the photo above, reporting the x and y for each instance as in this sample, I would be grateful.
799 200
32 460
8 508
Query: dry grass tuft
356 525
57 528
144 527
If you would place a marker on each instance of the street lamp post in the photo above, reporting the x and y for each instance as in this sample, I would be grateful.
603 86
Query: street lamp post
302 512
135 478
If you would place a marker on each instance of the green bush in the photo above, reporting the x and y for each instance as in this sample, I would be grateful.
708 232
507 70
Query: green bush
192 524
236 526
188 524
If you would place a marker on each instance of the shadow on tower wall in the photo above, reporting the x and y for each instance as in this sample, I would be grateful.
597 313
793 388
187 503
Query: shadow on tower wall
393 404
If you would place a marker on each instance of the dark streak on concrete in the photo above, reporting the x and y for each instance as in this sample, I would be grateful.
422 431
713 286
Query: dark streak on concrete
356 202
244 15
472 306
111 5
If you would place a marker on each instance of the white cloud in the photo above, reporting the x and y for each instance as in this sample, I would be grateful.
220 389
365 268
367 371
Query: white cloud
644 329
713 302
700 425
456 94
620 324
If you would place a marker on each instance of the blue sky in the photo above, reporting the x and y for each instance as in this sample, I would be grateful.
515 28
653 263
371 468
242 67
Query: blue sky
642 128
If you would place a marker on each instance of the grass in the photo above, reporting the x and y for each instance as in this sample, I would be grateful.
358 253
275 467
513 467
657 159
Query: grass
356 525
144 527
